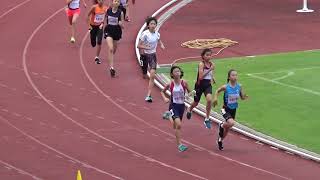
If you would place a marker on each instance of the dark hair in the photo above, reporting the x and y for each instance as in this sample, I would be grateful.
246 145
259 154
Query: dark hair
149 19
175 67
229 73
205 51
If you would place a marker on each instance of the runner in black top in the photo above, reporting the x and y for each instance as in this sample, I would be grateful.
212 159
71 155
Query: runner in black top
113 31
205 79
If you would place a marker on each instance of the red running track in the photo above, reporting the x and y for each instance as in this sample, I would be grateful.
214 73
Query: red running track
260 27
60 112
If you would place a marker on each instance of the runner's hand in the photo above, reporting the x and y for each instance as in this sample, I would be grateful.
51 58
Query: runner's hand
215 102
245 97
192 93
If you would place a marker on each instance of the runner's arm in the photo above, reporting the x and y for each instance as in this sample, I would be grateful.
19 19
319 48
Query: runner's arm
90 13
190 93
213 77
161 44
68 2
217 93
84 3
243 96
121 21
163 93
141 45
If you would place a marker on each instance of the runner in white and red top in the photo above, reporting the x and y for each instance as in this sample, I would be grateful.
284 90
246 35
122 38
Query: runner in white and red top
73 12
178 88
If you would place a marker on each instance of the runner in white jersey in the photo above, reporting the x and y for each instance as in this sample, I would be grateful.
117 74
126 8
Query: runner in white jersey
178 88
148 46
73 12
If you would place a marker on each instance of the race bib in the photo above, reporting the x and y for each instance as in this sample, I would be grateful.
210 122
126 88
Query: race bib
113 20
99 18
233 98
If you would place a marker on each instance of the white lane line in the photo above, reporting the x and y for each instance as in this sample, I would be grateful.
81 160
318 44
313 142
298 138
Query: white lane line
5 110
286 70
46 77
141 131
16 114
15 7
291 73
244 138
3 85
75 109
94 141
34 73
28 118
286 85
99 117
20 170
55 150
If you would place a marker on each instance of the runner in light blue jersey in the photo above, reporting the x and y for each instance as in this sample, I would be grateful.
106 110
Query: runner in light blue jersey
232 93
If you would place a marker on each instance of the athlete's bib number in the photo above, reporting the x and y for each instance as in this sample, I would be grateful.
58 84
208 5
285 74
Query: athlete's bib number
99 18
112 20
232 98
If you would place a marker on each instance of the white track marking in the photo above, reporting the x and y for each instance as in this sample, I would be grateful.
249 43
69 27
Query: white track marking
19 170
286 70
15 7
55 150
286 85
291 73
